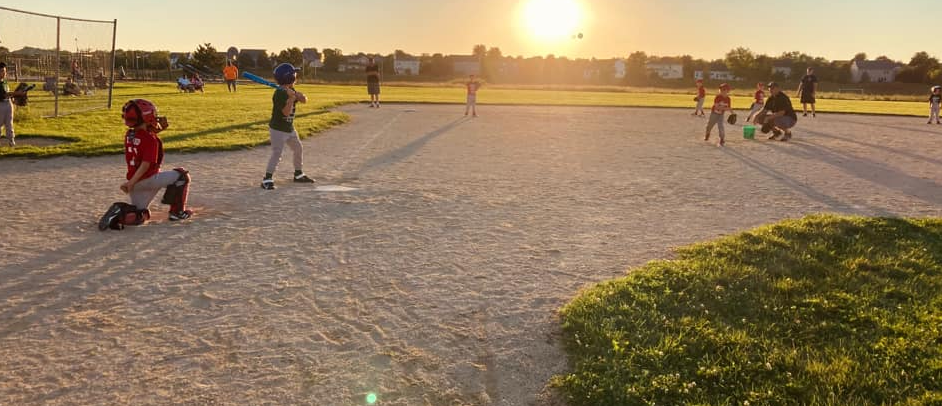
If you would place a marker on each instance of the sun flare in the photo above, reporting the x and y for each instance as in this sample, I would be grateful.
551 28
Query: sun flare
552 20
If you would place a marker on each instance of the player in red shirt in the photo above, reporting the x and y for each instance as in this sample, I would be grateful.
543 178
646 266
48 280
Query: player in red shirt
144 153
700 99
721 104
759 104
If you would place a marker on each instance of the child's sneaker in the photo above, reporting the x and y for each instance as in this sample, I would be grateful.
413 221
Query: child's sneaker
268 184
788 136
180 215
706 137
302 178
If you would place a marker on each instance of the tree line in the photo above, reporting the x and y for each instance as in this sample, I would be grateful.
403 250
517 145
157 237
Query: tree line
551 69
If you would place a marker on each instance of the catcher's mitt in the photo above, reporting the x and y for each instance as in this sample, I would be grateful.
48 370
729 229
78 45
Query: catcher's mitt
731 119
696 99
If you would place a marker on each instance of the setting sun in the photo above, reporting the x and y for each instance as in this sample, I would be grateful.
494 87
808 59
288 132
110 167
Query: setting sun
549 20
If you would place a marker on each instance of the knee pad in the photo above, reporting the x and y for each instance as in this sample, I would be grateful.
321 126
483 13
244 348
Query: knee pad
177 192
128 215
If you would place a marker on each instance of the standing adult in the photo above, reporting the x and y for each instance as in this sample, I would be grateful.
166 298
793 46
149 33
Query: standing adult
230 72
778 116
807 89
372 83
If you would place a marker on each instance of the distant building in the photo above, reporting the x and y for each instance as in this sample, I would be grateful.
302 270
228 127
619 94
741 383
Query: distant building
666 68
698 74
719 71
783 67
312 58
177 58
406 65
357 63
874 71
621 69
465 65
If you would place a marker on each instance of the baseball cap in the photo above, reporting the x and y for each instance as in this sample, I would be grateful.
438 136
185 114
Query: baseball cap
725 86
772 84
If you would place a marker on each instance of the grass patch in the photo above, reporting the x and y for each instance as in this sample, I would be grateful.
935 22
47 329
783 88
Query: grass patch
219 120
215 120
824 310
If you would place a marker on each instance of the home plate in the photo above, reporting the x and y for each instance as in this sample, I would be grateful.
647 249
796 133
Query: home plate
334 188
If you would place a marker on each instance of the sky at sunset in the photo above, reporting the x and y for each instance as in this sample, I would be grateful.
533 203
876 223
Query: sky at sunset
834 29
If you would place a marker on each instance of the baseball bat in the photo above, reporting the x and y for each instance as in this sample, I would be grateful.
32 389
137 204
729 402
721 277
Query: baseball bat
260 80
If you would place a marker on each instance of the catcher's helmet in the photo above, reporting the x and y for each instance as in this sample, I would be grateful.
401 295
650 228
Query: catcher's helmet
284 73
139 111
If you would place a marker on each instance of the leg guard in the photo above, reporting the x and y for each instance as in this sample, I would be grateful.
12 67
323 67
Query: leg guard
176 193
121 214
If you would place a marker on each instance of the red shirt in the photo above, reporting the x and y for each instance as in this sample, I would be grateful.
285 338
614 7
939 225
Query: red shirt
760 97
472 88
701 92
720 103
142 146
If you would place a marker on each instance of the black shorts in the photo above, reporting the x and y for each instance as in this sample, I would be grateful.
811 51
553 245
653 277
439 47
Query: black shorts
807 98
372 88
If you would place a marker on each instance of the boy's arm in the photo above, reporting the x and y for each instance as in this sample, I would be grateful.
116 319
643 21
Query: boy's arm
141 170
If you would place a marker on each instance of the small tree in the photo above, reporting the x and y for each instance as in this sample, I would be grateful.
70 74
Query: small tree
207 57
291 55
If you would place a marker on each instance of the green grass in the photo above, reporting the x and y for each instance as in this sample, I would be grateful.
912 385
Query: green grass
218 120
824 310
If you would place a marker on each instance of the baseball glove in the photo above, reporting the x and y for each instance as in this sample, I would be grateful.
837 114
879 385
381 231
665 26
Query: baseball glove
696 99
731 119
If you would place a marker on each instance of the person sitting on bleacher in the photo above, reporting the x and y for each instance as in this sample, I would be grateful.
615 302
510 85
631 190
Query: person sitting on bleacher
184 84
70 88
197 82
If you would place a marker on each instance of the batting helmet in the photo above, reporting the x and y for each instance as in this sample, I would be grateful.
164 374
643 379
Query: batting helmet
934 88
139 111
284 73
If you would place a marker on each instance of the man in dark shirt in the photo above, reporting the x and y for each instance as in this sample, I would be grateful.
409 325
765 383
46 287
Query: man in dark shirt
778 116
372 82
807 89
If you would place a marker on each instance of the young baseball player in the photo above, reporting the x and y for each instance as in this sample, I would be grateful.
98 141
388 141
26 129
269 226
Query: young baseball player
721 104
473 86
759 102
701 97
144 153
281 127
6 105
935 101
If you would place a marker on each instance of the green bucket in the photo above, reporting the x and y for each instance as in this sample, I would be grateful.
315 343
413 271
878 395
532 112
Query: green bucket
749 132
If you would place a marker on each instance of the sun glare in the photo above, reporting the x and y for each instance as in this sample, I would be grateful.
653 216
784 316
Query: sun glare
552 20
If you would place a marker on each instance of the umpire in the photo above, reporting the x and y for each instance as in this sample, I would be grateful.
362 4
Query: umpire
778 116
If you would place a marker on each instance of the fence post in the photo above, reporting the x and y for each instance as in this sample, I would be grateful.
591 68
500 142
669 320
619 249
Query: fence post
55 89
114 35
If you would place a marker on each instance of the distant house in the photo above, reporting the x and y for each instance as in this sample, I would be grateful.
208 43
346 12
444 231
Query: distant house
357 63
783 67
312 58
466 65
253 55
621 69
406 65
666 68
719 71
875 71
176 58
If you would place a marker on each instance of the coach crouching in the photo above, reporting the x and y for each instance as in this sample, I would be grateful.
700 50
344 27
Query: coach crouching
778 116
